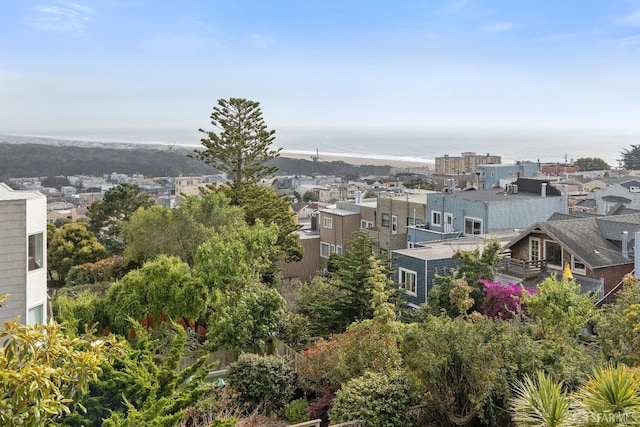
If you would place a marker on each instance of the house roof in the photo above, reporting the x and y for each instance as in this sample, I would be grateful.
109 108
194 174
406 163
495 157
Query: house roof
444 249
587 203
596 240
8 193
339 212
616 199
631 183
491 195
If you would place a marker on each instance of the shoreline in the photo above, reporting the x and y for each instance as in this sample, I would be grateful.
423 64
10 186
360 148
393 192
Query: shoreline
359 160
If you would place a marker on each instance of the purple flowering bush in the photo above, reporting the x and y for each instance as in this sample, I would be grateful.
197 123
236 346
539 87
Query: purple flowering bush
502 301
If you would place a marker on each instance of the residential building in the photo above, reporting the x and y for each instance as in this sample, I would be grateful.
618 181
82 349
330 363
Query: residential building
492 176
476 212
626 194
392 215
337 228
464 164
188 185
310 264
23 255
415 269
597 249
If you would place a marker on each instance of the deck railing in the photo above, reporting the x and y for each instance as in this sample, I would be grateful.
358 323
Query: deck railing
524 270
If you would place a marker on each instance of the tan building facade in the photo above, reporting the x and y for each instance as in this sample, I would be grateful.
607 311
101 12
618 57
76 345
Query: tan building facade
337 228
466 163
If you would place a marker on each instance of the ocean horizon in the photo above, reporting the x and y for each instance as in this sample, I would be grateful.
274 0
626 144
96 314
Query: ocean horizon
423 146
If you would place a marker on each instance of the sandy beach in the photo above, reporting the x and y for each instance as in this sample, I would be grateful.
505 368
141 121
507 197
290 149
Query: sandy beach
354 160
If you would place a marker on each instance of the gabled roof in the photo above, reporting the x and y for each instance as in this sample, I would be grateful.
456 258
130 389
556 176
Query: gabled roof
616 199
631 183
595 240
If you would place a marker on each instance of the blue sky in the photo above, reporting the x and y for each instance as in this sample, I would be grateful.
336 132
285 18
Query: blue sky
108 65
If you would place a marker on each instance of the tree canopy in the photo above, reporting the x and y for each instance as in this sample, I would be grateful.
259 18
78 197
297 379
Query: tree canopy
591 164
73 244
117 205
631 157
240 146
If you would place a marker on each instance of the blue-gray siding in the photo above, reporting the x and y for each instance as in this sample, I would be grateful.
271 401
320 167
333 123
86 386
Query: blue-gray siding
13 256
426 271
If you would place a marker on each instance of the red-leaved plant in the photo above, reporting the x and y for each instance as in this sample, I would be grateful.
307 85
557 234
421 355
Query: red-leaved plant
503 301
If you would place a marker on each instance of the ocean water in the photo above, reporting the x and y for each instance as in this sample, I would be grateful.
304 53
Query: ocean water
556 146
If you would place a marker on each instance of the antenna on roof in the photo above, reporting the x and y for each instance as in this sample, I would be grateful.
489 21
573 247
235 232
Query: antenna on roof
316 157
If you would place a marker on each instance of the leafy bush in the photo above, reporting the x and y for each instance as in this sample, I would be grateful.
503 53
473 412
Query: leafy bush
379 399
320 408
502 301
297 411
262 379
330 363
77 312
104 270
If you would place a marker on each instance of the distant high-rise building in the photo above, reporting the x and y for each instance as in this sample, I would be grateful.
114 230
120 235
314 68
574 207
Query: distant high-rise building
464 164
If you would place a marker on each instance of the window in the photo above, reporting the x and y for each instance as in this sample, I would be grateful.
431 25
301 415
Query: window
386 219
408 280
339 250
324 250
35 251
332 249
472 226
327 222
436 218
394 224
414 221
578 266
534 249
553 253
35 315
366 224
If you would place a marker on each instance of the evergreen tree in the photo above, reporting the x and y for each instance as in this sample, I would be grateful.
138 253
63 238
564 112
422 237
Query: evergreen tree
117 205
241 146
631 158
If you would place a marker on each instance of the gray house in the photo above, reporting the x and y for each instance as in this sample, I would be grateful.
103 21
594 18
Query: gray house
416 268
490 176
477 212
626 194
23 255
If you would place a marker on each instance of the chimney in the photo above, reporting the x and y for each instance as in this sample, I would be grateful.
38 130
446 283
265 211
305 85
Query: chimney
625 244
478 179
565 199
543 190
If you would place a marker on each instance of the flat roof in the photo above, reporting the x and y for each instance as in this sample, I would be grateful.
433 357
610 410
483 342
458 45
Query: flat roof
339 212
442 249
497 195
7 193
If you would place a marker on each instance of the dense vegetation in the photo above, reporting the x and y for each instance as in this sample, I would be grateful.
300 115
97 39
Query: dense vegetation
26 160
138 322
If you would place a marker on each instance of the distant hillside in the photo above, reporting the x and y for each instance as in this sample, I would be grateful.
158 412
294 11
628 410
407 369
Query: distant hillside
63 158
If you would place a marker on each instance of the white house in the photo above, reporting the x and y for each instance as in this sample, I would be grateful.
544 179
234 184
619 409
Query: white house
23 255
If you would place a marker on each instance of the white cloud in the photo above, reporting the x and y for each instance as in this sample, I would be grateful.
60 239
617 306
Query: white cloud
499 27
63 16
631 19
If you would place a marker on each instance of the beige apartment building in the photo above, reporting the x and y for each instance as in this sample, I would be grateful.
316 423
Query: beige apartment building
392 216
466 163
337 228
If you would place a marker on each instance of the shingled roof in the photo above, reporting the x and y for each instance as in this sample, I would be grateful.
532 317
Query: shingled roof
597 241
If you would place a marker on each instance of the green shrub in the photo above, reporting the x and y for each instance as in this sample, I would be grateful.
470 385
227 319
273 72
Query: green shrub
297 411
228 422
262 379
378 399
77 312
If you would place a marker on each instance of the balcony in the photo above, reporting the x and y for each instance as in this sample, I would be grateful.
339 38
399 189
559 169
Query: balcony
523 270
